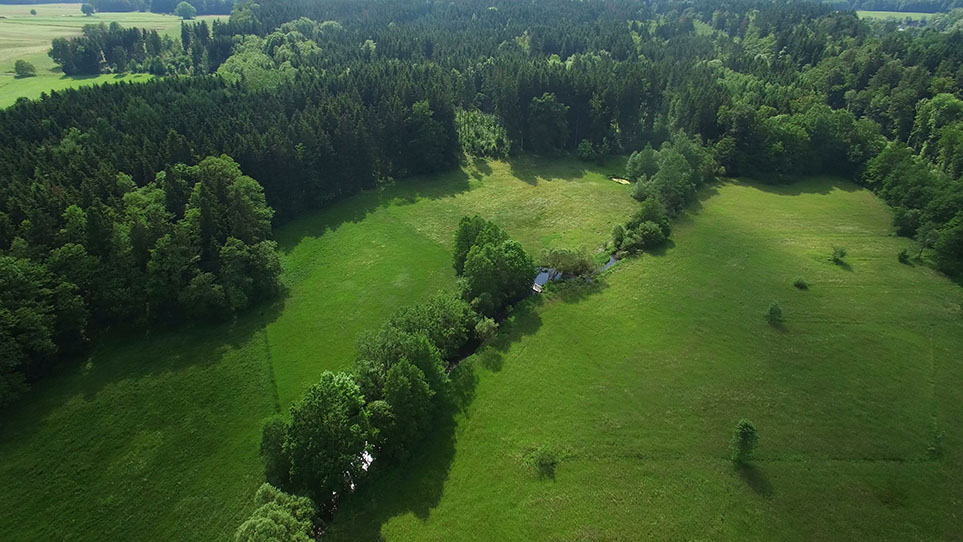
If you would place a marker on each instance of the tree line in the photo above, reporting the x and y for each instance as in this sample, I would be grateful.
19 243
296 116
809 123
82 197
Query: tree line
350 424
203 7
919 6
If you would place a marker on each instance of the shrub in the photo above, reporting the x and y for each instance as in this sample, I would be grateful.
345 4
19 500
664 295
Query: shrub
642 163
650 234
838 254
586 152
378 352
496 270
544 460
486 329
800 283
568 262
24 68
642 189
87 9
185 11
652 209
631 242
446 320
903 256
278 516
774 314
618 234
744 440
409 398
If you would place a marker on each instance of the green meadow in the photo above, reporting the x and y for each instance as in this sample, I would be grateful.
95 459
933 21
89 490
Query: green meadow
28 37
154 436
635 384
895 15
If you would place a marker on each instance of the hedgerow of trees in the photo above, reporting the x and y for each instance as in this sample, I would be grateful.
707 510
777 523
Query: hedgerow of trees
390 401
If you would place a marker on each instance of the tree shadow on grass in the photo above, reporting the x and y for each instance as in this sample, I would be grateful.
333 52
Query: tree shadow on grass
755 479
481 168
779 326
798 185
532 168
662 249
412 487
704 194
78 78
523 320
136 353
356 207
577 289
843 265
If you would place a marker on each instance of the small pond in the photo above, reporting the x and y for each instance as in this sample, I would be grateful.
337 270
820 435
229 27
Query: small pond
548 274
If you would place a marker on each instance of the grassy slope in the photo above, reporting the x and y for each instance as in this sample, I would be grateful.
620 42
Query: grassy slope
154 436
638 384
28 37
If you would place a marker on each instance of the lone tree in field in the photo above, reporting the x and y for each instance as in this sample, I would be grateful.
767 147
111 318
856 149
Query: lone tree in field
838 254
33 12
24 68
185 11
87 9
774 314
744 441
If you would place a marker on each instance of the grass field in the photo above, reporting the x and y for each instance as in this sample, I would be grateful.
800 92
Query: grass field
155 435
897 15
637 383
28 37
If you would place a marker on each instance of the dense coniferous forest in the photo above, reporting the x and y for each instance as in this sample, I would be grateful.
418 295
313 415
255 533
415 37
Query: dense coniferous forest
150 203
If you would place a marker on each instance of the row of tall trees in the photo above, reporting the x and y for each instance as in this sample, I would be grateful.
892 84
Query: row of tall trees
115 49
202 7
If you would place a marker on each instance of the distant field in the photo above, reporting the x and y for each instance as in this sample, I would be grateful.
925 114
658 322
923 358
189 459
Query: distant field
28 37
637 383
898 15
155 435
11 89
